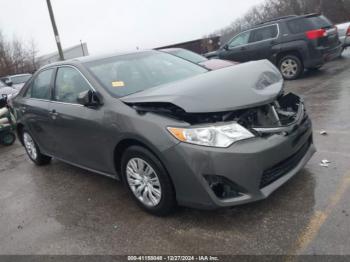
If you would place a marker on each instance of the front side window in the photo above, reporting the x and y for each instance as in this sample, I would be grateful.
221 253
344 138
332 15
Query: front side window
41 86
69 84
126 74
264 33
241 39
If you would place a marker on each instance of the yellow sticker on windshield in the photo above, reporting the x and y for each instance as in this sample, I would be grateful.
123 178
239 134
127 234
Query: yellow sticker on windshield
118 84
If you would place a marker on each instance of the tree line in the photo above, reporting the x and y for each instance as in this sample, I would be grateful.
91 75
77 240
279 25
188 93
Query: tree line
337 11
16 57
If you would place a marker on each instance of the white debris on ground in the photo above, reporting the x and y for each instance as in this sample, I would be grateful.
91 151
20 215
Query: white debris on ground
324 163
323 132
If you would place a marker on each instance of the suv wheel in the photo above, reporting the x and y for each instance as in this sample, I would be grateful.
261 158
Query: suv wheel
148 181
33 150
291 67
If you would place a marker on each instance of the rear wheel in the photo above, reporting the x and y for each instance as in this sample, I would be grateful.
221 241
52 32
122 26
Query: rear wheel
33 150
148 181
291 67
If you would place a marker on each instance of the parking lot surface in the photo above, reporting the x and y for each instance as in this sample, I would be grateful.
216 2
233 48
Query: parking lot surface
61 209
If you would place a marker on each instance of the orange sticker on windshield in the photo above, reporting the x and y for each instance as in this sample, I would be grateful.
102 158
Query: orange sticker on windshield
118 84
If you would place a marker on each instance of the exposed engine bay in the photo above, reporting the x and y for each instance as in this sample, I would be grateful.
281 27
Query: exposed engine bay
269 118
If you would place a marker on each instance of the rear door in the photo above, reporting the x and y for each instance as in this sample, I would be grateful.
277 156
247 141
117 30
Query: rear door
237 49
34 109
262 41
78 129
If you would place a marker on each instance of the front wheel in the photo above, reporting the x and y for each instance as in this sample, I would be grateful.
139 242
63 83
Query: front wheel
8 138
148 181
33 150
291 67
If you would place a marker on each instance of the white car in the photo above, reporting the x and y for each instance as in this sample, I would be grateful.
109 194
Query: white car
16 81
344 34
8 91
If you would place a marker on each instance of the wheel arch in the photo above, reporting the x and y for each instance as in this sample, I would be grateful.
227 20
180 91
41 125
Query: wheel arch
127 142
19 131
294 52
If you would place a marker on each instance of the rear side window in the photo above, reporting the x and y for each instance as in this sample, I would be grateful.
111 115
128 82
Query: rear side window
310 23
263 33
69 84
40 87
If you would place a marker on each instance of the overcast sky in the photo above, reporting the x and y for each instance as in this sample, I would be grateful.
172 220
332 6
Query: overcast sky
114 25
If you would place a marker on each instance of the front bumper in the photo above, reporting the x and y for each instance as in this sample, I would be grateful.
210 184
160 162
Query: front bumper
245 163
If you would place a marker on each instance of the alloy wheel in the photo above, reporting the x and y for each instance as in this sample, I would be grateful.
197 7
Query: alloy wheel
289 68
143 182
30 146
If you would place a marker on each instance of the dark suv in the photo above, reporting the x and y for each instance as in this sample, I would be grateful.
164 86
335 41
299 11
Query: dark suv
292 43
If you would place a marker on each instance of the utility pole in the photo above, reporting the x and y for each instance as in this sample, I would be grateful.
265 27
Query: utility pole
55 31
82 47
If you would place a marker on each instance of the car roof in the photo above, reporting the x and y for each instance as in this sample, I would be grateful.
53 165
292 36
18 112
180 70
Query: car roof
27 74
282 18
92 58
172 49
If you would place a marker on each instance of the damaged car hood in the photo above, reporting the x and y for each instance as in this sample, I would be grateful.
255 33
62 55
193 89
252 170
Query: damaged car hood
242 86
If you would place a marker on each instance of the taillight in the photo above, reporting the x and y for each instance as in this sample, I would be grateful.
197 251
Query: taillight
348 32
315 34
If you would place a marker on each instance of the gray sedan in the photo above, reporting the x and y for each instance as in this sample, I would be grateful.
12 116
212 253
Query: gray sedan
174 132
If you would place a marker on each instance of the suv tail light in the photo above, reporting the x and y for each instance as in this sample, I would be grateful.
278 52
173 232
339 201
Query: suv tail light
348 32
315 34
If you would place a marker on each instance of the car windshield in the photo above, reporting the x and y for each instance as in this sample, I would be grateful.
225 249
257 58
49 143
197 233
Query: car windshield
19 79
188 55
126 74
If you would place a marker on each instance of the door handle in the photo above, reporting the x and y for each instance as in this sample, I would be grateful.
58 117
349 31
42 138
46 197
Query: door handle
53 114
243 48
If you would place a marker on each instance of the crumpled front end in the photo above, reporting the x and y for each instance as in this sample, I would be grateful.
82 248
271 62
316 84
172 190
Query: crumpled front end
248 170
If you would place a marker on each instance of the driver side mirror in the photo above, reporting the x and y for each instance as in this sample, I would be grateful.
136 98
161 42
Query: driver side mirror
8 82
90 99
225 47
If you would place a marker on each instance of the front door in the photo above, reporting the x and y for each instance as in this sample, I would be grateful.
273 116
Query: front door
237 49
78 129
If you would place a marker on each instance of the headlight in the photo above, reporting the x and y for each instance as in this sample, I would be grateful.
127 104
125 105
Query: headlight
215 136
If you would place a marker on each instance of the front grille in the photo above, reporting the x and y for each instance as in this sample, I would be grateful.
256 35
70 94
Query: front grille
272 174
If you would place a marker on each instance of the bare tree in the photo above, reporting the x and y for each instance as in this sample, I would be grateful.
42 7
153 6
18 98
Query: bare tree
16 56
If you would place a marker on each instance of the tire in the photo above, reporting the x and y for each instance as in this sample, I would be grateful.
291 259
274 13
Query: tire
33 150
156 181
8 138
291 67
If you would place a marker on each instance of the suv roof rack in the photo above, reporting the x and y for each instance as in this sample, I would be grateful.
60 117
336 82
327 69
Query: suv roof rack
289 16
278 18
311 15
